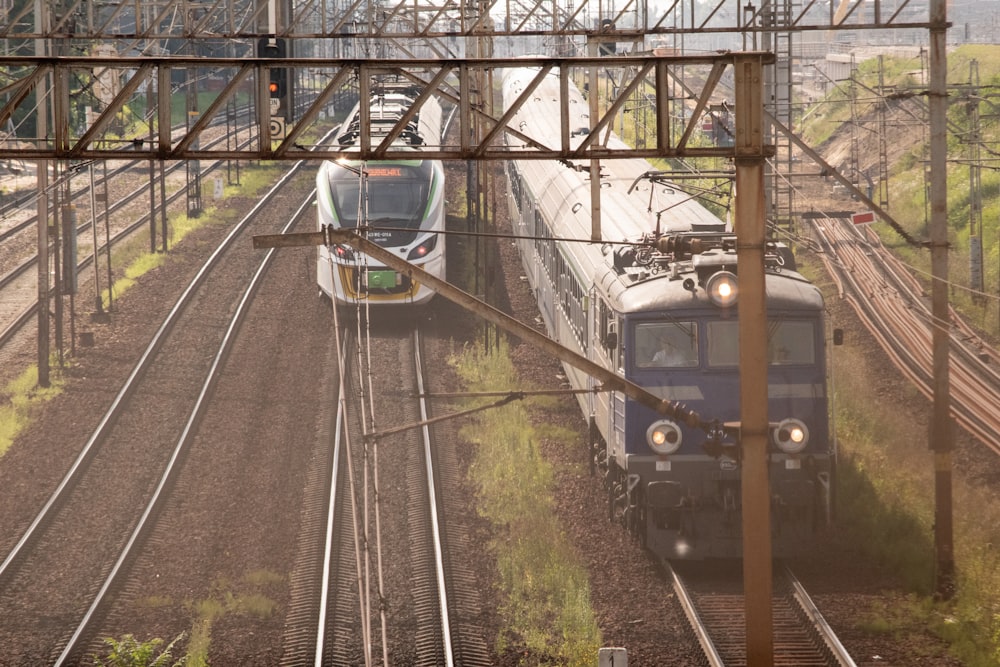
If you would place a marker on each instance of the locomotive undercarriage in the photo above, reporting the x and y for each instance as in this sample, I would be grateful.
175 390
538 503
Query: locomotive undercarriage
670 520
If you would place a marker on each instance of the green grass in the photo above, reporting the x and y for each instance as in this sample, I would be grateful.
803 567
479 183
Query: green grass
886 480
228 598
546 595
131 652
22 397
907 186
134 254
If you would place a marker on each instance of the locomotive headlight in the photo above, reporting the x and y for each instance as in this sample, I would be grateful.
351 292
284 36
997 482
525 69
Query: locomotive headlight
722 289
344 252
422 249
791 436
664 436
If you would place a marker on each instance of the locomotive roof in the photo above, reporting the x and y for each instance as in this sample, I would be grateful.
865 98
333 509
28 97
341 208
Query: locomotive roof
386 108
786 291
633 207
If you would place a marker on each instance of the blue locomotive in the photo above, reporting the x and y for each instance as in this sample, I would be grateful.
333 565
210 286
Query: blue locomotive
656 303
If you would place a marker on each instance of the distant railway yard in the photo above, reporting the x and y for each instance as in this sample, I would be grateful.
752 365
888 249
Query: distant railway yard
242 465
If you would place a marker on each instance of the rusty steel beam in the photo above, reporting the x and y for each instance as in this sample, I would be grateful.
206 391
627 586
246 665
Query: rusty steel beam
609 379
244 82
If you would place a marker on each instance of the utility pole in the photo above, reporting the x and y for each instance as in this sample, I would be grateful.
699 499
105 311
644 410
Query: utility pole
752 314
42 176
975 186
941 435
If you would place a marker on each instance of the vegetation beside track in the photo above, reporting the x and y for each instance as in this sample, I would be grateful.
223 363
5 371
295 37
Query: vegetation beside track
886 480
23 393
901 84
21 397
135 255
885 511
546 610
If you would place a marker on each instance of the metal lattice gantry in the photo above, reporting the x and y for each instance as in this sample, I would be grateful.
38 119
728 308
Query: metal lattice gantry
137 24
166 134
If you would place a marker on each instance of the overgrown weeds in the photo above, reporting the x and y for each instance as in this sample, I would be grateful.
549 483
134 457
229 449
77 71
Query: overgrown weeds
545 590
887 505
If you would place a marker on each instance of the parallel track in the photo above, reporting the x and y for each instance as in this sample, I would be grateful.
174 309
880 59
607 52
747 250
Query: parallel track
79 512
14 320
890 303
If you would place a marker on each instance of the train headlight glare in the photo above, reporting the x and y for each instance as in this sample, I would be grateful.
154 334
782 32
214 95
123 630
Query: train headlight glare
664 437
791 436
722 289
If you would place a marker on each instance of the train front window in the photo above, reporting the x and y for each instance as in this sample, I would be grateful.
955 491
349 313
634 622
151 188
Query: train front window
396 195
666 345
789 343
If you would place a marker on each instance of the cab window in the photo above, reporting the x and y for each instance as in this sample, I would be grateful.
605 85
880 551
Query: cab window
666 345
789 343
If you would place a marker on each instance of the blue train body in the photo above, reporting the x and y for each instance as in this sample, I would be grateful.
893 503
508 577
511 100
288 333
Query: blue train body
620 305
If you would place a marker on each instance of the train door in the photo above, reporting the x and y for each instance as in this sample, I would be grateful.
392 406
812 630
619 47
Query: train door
616 403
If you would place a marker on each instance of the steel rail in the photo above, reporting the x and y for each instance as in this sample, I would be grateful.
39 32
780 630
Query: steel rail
117 406
131 164
187 435
898 320
20 321
694 618
802 635
432 499
329 533
823 628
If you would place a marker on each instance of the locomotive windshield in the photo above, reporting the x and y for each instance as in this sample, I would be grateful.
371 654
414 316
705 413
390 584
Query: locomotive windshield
667 345
396 194
789 343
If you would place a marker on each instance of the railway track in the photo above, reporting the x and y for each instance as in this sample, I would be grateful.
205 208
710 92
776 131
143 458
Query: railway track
712 598
19 283
59 608
387 587
892 306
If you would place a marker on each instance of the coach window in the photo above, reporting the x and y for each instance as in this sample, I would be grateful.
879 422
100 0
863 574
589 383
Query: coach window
723 343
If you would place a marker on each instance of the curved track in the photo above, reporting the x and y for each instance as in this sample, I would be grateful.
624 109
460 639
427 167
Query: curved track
890 303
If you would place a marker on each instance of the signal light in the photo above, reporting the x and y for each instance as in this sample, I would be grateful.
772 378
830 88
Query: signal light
276 87
344 253
423 249
275 47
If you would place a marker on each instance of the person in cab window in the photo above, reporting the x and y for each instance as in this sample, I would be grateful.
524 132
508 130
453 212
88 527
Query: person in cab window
668 354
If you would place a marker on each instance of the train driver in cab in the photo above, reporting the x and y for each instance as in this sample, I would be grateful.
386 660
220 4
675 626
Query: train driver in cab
674 352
